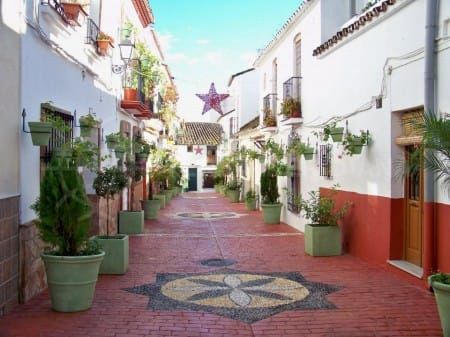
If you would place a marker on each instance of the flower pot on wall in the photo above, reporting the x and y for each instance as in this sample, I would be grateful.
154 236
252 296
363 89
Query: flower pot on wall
40 133
72 10
103 47
151 208
356 145
85 131
129 94
323 240
271 213
131 222
337 134
309 153
116 249
442 295
71 280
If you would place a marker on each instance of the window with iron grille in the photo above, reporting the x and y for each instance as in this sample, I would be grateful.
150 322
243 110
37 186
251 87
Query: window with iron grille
233 126
58 137
293 184
325 160
211 155
57 7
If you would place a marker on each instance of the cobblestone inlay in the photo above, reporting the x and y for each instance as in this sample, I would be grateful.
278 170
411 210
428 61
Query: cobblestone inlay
217 262
244 296
208 215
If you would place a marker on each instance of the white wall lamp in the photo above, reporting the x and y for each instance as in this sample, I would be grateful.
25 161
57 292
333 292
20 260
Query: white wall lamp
126 48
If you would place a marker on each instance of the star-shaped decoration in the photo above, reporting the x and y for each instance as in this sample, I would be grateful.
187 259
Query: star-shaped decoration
212 100
239 295
198 150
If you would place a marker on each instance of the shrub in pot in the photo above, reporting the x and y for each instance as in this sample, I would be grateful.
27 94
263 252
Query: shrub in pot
233 191
322 234
269 193
331 130
152 205
112 140
64 212
131 221
108 183
440 283
353 144
250 200
291 108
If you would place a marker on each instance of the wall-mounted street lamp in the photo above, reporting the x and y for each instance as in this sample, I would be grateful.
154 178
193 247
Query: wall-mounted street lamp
126 48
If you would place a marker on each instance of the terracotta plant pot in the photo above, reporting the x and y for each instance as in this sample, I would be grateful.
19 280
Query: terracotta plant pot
103 46
129 94
296 114
72 11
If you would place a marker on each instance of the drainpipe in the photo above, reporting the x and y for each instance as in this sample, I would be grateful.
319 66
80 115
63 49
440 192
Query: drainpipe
431 28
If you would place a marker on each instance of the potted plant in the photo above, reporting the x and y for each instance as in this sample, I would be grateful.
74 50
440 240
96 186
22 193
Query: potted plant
269 192
127 30
111 140
131 221
331 130
291 108
152 205
103 43
87 123
108 183
233 191
353 144
269 120
250 200
122 146
440 283
72 263
73 8
40 132
322 234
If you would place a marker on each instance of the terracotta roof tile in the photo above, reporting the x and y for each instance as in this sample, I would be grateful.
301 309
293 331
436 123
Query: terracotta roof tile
198 133
364 18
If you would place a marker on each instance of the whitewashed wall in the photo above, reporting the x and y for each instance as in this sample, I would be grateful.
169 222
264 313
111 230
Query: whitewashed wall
348 77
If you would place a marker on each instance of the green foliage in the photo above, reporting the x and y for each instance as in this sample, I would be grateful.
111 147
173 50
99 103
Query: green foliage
253 155
150 68
327 130
351 141
289 107
269 120
297 147
109 182
320 209
88 121
167 114
64 210
123 144
86 154
233 185
441 278
275 149
269 185
133 170
250 195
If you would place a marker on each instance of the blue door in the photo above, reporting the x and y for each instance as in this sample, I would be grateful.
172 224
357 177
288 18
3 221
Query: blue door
192 182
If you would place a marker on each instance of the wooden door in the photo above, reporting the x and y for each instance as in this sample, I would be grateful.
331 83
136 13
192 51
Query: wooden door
192 182
413 210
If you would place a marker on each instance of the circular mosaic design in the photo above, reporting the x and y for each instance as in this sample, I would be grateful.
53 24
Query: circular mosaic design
235 290
208 215
217 262
240 295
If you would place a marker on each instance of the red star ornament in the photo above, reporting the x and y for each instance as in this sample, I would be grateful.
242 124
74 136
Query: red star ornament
198 150
212 100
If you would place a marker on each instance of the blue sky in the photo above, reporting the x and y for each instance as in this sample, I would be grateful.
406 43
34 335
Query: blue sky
207 40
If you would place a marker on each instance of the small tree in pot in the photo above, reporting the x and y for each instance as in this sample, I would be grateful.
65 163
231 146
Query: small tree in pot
269 191
322 235
72 264
107 184
250 200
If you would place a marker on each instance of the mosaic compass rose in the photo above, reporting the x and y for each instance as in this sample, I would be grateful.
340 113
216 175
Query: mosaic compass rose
244 296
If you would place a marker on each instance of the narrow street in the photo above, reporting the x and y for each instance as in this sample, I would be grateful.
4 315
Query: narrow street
270 288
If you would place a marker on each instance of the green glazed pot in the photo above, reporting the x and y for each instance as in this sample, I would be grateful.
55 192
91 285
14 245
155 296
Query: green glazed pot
442 295
116 249
40 133
111 144
168 195
119 154
234 195
271 213
171 191
71 280
162 199
151 208
336 134
309 153
323 240
250 204
131 222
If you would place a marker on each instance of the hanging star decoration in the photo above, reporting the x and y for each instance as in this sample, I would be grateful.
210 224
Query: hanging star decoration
198 150
212 100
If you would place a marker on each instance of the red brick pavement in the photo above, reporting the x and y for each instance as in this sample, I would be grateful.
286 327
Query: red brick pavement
372 302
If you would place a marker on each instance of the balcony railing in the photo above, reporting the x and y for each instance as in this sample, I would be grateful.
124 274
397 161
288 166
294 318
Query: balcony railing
57 7
292 88
92 32
270 110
